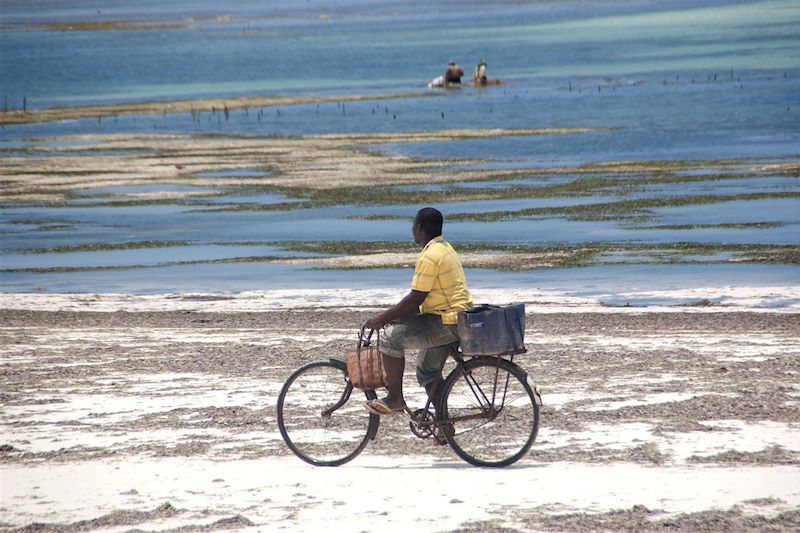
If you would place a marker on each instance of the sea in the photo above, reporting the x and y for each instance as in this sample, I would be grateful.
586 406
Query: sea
675 81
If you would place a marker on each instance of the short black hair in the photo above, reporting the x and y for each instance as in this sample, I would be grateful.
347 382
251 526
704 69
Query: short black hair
430 220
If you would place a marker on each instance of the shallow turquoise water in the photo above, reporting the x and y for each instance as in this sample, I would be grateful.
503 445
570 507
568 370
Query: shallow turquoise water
176 223
247 46
706 81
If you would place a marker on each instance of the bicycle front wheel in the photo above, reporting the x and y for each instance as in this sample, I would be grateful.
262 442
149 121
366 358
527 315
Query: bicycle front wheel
318 417
489 412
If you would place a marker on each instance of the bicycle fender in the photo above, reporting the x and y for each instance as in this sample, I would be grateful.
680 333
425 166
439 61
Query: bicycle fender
537 397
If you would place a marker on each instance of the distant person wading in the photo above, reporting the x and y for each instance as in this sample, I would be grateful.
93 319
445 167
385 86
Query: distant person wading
453 73
479 74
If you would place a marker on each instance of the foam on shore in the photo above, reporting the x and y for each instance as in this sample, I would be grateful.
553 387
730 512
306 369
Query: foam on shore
713 299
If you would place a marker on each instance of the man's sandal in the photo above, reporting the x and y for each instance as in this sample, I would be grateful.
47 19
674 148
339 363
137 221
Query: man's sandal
380 407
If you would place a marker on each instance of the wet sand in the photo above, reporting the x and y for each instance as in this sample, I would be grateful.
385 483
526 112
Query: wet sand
165 420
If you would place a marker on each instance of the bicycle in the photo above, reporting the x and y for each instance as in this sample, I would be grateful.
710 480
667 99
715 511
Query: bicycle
487 410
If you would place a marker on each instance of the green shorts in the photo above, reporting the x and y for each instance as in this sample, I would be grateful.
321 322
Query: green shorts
425 333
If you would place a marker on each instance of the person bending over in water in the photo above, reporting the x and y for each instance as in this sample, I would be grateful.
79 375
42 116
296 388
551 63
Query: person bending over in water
426 319
453 73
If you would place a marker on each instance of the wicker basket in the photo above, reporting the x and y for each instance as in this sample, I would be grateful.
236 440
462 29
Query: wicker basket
365 365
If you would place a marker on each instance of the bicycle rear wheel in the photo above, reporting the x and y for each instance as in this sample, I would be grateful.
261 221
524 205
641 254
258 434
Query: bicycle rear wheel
490 411
318 417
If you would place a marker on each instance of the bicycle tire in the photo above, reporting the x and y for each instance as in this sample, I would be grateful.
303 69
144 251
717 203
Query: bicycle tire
317 439
479 435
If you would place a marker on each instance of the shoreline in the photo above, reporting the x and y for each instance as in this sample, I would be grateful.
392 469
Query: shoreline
776 300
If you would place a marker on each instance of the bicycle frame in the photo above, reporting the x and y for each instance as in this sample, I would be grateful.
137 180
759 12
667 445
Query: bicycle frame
490 406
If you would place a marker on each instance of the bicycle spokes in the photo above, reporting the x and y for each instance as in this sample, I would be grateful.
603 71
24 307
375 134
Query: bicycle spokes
489 410
320 419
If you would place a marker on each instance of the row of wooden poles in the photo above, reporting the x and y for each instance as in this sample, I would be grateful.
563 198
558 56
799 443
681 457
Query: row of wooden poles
260 113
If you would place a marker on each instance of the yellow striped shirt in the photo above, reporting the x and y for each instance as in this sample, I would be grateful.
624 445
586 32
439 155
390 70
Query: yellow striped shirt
439 273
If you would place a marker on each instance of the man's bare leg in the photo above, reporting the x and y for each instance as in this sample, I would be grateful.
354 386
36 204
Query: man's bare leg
433 389
395 366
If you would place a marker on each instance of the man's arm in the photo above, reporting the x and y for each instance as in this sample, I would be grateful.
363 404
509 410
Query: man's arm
407 307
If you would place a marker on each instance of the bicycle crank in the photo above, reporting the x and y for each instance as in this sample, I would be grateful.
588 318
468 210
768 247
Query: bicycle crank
421 423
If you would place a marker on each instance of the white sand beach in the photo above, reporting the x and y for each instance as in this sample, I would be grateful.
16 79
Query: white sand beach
164 420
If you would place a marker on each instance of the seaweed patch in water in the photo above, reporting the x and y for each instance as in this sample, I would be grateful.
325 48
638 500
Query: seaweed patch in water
742 225
105 247
616 210
231 260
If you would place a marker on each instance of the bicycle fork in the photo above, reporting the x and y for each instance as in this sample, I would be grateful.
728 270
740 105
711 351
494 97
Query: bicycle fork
326 413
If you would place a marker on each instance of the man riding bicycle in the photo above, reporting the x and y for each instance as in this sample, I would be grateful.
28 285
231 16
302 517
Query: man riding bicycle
426 319
486 409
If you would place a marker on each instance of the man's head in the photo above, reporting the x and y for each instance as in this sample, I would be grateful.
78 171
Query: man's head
427 225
